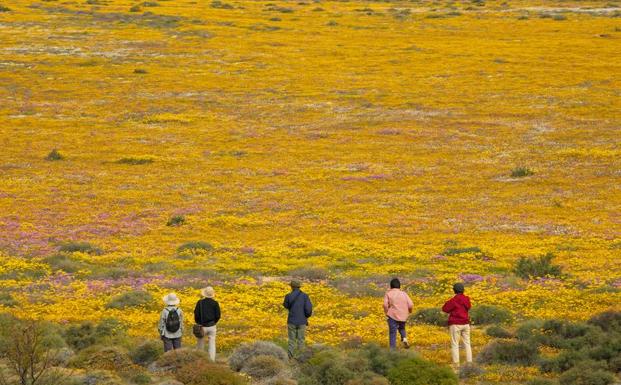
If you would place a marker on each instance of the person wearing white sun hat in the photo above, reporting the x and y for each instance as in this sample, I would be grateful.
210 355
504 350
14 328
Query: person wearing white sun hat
206 316
170 326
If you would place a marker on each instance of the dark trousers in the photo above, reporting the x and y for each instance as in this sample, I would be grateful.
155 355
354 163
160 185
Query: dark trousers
393 326
171 343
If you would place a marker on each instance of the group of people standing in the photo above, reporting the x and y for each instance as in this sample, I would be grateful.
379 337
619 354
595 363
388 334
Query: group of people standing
397 307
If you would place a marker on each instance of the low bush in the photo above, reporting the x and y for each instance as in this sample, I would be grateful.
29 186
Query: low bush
247 350
416 371
7 300
368 378
382 360
194 246
176 220
586 373
527 267
102 357
498 332
509 352
326 367
54 155
140 379
82 247
101 377
450 251
81 335
173 360
489 314
130 299
4 9
205 373
263 366
64 263
521 172
608 321
541 381
562 362
431 316
147 352
470 371
135 161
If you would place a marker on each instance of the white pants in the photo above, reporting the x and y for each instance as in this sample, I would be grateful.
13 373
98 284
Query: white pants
210 334
460 332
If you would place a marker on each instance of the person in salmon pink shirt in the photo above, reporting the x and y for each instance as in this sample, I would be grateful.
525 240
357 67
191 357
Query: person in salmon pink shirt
397 306
459 323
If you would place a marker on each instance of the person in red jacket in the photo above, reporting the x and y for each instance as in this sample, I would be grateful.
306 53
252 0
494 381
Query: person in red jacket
459 323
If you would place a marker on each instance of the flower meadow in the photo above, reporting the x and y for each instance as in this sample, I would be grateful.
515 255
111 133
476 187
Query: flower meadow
170 145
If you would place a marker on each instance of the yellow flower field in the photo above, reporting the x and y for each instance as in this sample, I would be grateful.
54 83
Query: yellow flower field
341 142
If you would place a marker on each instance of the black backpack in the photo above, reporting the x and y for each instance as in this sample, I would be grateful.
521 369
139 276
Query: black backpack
173 323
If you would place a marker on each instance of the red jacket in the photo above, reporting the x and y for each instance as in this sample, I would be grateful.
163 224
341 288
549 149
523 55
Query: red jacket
457 307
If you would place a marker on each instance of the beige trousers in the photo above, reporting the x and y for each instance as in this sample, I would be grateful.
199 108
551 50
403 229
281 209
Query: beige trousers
210 334
460 332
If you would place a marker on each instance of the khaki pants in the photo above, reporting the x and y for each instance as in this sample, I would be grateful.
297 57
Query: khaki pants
210 334
460 332
296 334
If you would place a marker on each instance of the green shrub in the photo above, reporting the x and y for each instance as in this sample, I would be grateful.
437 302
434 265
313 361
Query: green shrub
368 378
130 299
608 321
431 316
381 360
102 357
135 161
562 362
7 300
176 220
194 246
614 365
135 8
529 329
54 155
461 250
173 360
416 371
147 352
141 379
509 352
64 262
540 381
82 247
248 350
489 314
470 370
521 172
326 367
284 381
220 5
263 366
80 336
607 348
498 332
537 267
586 373
205 373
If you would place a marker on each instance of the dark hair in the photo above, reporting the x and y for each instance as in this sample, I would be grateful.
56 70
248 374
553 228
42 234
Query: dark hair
458 288
395 283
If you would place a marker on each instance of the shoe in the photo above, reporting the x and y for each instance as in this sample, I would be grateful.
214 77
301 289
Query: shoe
405 343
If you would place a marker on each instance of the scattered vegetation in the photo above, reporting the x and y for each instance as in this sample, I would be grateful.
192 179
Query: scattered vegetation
431 316
130 299
135 161
80 247
521 172
530 267
176 220
54 155
489 314
509 352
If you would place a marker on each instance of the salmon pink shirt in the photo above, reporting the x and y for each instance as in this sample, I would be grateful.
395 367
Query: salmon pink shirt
397 305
